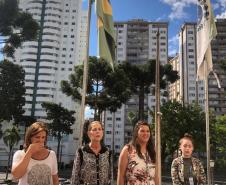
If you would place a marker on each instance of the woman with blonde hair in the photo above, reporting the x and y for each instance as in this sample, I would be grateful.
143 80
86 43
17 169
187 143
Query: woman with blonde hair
92 161
186 169
35 164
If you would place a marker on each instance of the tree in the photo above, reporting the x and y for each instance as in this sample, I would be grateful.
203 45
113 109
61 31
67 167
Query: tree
143 76
12 91
61 120
106 89
11 137
177 120
133 118
217 140
15 26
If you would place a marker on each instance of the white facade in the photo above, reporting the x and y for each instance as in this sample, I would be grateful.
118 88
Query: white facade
191 91
174 88
136 43
49 60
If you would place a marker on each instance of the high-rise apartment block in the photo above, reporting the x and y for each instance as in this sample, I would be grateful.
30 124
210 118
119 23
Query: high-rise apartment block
190 90
136 43
217 98
60 46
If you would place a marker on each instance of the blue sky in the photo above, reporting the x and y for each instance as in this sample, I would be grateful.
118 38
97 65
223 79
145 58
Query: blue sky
175 12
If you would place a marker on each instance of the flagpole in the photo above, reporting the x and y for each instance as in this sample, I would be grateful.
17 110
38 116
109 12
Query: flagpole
157 116
85 75
207 123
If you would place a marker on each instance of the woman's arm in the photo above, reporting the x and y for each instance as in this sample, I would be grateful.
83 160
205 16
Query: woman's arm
19 168
55 179
123 162
174 173
202 176
75 176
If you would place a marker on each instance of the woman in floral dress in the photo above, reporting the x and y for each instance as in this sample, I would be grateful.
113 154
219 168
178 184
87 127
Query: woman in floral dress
137 159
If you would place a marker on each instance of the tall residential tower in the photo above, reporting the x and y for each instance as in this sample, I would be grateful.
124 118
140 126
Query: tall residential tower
60 46
136 43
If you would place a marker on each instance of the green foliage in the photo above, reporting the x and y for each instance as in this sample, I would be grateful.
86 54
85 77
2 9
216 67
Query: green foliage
11 137
61 120
217 140
223 64
133 118
12 90
106 89
177 120
16 26
143 76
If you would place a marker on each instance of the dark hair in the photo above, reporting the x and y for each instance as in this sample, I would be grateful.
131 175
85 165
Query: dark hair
32 130
134 142
85 137
188 137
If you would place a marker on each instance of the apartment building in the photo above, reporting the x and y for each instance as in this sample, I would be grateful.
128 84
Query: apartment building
191 91
49 60
136 43
217 98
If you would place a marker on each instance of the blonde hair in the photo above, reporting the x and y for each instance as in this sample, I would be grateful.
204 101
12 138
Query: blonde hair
93 122
188 137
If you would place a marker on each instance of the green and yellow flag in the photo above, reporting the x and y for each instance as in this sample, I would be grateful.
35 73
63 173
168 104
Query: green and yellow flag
106 32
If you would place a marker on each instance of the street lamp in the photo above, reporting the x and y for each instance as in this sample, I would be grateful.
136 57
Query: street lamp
212 163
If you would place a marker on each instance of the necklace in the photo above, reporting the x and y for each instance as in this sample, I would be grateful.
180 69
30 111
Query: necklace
96 150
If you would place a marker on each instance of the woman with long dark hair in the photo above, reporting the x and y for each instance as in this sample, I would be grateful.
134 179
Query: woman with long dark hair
137 159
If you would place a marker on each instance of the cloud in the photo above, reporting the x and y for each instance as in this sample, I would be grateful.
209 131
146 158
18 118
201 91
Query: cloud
163 17
221 6
1 46
221 16
173 45
88 112
178 6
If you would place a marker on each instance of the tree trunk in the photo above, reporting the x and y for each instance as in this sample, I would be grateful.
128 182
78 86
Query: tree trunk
8 164
141 104
58 145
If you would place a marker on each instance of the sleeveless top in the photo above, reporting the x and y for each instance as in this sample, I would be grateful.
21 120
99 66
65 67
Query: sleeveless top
139 171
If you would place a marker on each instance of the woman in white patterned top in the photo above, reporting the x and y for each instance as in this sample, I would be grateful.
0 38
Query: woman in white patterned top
137 159
35 165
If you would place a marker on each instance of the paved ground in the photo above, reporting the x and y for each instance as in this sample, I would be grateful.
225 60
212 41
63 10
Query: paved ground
166 180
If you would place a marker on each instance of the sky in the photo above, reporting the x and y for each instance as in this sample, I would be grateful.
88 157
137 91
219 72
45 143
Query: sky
175 12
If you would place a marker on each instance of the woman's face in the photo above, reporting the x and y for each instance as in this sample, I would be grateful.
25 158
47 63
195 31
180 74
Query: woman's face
143 134
96 132
186 147
39 138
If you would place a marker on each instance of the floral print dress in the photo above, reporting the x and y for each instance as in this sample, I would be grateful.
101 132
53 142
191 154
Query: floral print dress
139 171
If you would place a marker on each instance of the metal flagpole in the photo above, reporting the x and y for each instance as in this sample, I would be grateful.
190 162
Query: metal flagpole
157 117
85 75
207 123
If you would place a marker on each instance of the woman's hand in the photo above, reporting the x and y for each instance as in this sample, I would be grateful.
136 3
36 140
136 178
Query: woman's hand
35 147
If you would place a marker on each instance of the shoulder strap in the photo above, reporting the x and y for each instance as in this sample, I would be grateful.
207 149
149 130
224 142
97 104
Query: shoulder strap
81 155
